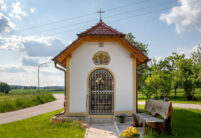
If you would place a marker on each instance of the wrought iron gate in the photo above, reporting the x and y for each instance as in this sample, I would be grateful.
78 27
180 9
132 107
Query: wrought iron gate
101 92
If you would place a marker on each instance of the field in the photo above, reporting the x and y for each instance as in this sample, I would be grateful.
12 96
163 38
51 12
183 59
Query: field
18 100
40 127
180 97
186 123
54 91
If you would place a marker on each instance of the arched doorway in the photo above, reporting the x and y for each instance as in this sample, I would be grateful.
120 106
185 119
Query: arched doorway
101 92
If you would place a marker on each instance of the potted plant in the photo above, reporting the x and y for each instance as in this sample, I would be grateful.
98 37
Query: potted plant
121 118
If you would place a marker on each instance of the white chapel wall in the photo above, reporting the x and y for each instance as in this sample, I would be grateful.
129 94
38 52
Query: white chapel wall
81 64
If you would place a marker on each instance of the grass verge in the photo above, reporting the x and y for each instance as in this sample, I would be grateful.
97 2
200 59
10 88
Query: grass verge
40 127
186 123
14 101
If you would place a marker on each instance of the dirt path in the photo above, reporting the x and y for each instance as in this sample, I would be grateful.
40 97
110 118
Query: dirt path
187 106
32 111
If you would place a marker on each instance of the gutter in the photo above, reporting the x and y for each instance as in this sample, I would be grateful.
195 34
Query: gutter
62 69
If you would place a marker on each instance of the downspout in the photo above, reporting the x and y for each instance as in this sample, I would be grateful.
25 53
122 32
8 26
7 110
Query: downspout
55 64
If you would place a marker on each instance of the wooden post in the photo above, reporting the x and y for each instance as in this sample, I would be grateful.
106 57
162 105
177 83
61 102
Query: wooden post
168 129
144 128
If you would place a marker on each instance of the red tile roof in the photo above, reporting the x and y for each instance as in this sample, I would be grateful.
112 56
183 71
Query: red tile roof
101 29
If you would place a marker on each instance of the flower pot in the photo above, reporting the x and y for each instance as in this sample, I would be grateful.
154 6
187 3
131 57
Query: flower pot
121 119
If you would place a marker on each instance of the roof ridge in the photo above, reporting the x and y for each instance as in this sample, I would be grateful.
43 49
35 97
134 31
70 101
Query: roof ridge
103 30
93 27
112 29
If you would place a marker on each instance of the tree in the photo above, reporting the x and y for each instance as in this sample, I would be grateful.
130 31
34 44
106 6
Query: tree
150 86
141 75
164 83
186 75
161 74
4 87
172 67
139 45
151 80
196 58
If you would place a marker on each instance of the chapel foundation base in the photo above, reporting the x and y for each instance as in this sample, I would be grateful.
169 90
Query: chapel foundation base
60 118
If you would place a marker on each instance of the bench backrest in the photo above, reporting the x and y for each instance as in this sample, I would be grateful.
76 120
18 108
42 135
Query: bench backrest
159 107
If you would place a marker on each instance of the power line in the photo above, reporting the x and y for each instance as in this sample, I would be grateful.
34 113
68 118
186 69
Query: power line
128 5
147 7
56 28
123 19
84 15
139 9
142 14
59 21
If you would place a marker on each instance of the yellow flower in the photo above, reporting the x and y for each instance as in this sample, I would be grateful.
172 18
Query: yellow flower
129 132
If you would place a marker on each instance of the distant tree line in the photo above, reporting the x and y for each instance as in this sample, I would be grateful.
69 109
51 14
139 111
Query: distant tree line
170 73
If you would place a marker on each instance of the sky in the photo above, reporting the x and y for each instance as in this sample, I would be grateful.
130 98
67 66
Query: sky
34 31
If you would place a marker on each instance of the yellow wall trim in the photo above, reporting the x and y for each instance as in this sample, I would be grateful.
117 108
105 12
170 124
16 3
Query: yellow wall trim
134 83
124 112
76 114
67 102
101 116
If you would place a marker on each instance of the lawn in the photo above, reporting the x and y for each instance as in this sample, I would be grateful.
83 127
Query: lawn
180 97
186 123
40 127
15 101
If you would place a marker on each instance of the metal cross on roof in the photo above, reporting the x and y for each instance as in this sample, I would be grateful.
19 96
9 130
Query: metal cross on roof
100 14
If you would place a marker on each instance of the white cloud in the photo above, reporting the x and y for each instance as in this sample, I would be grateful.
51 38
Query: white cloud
33 45
187 51
28 61
186 16
3 6
17 11
32 10
158 58
5 24
12 69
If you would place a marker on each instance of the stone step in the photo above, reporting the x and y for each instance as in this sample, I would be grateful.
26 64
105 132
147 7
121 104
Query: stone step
100 120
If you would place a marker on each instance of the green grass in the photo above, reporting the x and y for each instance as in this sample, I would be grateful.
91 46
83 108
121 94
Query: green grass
180 97
35 90
40 127
15 101
186 123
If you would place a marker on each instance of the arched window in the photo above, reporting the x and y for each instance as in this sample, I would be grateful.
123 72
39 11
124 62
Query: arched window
101 58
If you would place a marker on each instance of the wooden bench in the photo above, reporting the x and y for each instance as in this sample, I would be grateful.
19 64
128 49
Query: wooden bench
150 120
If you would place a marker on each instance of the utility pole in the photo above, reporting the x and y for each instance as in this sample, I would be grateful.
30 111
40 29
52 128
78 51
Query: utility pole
39 73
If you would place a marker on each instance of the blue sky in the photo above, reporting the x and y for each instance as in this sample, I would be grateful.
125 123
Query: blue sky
33 31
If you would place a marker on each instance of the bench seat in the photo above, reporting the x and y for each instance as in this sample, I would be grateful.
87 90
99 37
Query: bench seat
154 108
148 118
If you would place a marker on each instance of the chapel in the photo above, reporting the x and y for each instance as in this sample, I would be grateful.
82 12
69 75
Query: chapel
100 73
